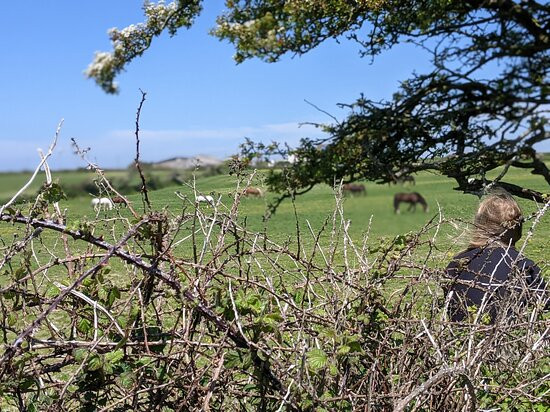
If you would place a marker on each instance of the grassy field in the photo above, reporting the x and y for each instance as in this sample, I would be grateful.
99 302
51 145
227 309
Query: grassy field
372 214
10 183
320 290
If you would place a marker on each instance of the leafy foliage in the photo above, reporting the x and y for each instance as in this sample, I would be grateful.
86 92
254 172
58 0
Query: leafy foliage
483 105
109 313
133 40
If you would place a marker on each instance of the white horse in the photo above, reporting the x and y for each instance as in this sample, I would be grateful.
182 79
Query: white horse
209 200
103 203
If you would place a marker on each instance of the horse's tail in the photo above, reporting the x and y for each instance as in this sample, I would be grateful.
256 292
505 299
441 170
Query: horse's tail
422 201
395 204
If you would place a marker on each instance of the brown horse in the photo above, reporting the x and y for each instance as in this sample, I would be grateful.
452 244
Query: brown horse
253 191
411 198
354 188
406 179
119 200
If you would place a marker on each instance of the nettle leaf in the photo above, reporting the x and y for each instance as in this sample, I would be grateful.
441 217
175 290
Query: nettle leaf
108 368
12 319
344 350
95 363
145 361
328 333
52 291
26 384
232 360
80 354
353 342
102 294
114 294
84 325
269 322
115 356
249 304
10 295
317 359
127 379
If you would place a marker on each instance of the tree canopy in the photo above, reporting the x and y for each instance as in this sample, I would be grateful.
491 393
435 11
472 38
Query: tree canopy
483 105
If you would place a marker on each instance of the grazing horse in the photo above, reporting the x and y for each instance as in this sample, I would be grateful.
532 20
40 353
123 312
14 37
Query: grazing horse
253 191
102 203
411 198
209 200
406 179
120 201
354 188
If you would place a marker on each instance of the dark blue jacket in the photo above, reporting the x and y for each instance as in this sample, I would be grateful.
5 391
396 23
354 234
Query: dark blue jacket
488 273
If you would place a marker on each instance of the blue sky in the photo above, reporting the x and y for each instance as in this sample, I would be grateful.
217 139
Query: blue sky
198 100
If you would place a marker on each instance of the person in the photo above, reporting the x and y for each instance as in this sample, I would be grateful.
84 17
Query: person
491 278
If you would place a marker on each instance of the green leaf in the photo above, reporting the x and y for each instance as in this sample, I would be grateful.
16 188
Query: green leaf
232 360
251 303
354 344
52 291
80 354
12 319
344 350
84 325
26 384
114 294
269 322
53 193
95 363
9 211
9 295
145 360
317 359
20 273
115 356
102 294
134 311
127 379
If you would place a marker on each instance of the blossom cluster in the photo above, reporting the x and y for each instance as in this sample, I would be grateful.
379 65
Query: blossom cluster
130 42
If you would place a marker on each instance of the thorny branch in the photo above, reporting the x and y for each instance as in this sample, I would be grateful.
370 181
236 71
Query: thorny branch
146 202
252 324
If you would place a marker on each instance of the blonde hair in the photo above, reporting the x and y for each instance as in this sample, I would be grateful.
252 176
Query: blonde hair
497 221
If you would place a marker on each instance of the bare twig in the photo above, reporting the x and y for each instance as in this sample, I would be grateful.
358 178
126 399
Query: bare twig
146 202
42 161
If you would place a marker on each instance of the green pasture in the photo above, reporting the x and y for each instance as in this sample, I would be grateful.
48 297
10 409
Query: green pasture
371 216
10 183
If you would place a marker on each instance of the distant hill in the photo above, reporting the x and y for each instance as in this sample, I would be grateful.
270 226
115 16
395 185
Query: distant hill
187 162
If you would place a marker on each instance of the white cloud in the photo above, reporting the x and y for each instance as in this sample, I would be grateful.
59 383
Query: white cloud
116 149
281 132
222 142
